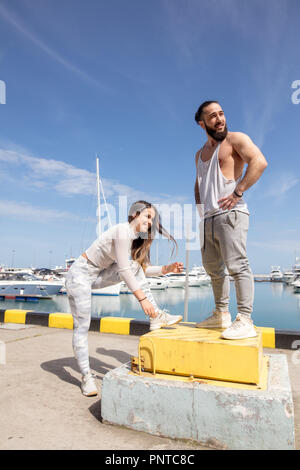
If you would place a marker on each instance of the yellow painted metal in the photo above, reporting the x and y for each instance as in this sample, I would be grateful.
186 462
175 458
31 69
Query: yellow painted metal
153 355
268 335
61 320
262 384
189 351
15 316
120 326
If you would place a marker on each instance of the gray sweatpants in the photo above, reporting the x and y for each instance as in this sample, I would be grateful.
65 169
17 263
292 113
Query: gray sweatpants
81 279
223 248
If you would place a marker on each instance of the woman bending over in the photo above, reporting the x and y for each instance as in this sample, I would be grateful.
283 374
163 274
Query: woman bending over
107 262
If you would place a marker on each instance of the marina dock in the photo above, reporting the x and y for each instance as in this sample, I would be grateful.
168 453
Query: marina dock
42 406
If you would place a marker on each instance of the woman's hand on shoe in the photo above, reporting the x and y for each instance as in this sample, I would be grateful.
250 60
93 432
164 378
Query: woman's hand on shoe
148 308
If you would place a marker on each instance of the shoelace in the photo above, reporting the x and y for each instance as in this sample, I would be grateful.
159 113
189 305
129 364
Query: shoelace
163 314
91 376
237 323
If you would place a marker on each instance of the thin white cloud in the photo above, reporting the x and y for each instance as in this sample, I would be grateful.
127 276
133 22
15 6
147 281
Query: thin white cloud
44 175
60 176
284 183
12 19
25 211
67 180
283 245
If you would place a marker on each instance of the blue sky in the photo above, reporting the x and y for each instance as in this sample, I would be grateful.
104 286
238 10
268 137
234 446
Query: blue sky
124 79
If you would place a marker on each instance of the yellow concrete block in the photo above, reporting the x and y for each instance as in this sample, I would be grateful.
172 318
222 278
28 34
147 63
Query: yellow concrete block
189 351
120 326
268 335
61 320
15 316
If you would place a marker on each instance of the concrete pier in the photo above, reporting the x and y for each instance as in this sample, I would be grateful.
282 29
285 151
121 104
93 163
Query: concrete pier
224 417
41 404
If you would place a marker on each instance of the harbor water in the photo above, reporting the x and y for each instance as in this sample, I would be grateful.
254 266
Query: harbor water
276 304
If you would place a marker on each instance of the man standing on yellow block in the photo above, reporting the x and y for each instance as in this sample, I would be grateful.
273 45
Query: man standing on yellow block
219 189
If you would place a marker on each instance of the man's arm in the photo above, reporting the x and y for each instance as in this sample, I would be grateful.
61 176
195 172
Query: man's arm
256 164
250 154
196 190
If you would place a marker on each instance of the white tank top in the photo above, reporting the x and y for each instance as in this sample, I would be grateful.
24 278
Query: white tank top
213 186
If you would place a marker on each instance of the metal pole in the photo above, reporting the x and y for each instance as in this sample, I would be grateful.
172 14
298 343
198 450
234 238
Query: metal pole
12 258
186 294
98 198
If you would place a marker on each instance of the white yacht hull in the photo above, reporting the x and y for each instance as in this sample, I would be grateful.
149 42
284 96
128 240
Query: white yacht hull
296 286
110 290
39 289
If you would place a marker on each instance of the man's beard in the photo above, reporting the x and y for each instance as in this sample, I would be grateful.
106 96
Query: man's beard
218 136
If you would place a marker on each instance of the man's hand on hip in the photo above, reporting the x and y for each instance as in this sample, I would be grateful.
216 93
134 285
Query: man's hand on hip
229 202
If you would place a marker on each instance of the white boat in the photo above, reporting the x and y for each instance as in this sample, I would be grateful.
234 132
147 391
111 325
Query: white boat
23 284
276 274
176 280
295 280
196 280
295 272
296 284
157 283
202 276
296 266
287 276
197 277
69 262
110 290
124 289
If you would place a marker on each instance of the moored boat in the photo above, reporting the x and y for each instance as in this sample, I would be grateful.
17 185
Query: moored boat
276 274
296 284
24 284
287 276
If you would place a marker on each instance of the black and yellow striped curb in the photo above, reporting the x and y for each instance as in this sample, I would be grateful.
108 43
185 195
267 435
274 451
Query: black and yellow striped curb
272 338
118 325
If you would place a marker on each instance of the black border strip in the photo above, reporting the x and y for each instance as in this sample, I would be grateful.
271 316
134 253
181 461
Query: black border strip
284 339
37 318
138 327
95 324
2 313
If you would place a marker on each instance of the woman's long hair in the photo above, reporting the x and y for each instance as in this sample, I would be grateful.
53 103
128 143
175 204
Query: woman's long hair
140 250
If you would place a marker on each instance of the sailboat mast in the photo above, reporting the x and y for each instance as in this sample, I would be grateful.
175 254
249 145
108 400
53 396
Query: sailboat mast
98 197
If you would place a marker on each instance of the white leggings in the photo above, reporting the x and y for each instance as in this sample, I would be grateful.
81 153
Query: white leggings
81 279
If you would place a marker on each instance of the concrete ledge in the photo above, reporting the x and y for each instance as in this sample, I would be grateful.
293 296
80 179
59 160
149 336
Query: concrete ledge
280 339
216 416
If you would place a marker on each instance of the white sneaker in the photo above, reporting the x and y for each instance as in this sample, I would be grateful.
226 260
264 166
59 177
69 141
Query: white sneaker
164 319
216 320
241 328
88 385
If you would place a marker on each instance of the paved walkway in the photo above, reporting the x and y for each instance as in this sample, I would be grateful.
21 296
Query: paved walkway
41 405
